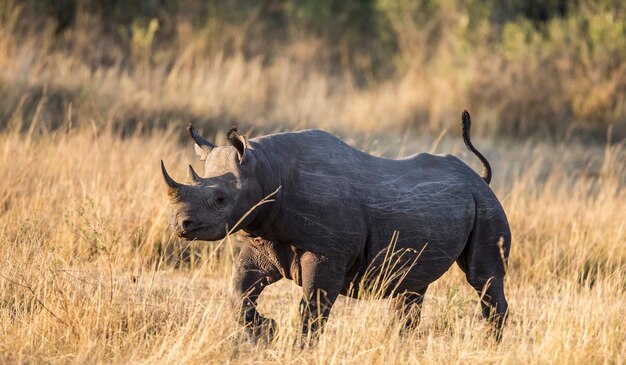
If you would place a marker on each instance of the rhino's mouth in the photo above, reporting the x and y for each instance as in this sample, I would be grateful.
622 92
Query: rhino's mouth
204 233
189 233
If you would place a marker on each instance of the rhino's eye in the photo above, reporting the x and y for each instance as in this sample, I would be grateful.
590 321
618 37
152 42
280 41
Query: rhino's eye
220 200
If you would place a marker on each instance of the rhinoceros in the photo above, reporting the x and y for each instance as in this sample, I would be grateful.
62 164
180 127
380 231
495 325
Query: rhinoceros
338 216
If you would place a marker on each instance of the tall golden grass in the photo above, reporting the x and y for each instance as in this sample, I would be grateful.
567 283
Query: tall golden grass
90 273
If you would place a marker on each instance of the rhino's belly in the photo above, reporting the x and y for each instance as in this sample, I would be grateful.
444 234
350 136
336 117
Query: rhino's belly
409 251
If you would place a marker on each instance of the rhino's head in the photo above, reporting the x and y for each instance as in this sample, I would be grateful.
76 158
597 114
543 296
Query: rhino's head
211 205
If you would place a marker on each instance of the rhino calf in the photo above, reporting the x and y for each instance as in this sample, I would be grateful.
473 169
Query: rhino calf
338 215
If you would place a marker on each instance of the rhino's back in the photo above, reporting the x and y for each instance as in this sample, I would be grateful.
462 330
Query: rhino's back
321 162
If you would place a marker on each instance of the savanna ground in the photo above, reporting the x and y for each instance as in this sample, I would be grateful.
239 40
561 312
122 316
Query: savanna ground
90 272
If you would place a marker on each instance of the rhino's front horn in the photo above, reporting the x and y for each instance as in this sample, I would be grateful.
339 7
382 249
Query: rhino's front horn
171 183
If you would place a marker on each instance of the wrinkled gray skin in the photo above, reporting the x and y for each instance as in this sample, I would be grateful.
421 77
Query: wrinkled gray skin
334 217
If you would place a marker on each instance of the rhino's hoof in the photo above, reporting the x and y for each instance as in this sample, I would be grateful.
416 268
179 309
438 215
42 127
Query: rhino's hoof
263 329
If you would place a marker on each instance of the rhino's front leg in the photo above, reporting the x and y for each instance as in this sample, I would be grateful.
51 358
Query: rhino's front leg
322 280
252 275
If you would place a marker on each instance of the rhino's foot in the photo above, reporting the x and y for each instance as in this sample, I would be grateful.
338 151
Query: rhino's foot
496 323
409 309
258 327
261 328
312 328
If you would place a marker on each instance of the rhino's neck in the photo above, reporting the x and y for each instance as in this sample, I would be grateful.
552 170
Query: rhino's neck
270 177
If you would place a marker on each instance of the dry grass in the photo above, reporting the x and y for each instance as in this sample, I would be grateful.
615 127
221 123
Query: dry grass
90 273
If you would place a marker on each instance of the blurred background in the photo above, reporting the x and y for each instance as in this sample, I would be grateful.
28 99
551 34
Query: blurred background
550 69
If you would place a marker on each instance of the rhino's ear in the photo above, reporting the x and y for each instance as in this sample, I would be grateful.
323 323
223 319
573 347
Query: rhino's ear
240 143
201 145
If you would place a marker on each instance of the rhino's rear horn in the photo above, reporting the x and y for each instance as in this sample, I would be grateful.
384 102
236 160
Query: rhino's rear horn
194 176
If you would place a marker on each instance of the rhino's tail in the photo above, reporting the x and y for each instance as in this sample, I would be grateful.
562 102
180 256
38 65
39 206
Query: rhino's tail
467 123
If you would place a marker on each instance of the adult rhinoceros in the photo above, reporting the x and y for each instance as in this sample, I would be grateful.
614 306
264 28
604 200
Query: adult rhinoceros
338 215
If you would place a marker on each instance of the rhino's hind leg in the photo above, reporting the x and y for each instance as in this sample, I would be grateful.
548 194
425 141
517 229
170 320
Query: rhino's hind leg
484 265
409 308
493 302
